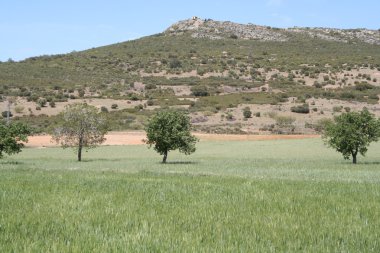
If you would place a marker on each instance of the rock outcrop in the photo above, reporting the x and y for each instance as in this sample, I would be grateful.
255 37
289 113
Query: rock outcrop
211 29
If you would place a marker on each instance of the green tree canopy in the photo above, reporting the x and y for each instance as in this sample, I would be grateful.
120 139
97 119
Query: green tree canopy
11 137
170 130
82 126
352 132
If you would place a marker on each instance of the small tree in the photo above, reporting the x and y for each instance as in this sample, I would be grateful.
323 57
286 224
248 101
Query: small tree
352 132
82 127
170 130
247 112
11 137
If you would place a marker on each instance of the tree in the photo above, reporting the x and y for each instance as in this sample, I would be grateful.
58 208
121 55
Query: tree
11 137
247 112
352 132
81 127
170 130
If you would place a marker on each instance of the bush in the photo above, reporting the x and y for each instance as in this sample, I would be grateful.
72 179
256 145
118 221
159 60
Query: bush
41 102
150 86
285 123
5 114
320 125
363 86
300 108
247 113
175 63
347 95
114 106
134 97
103 109
81 93
52 104
200 91
272 114
150 102
258 114
139 107
230 117
337 108
19 109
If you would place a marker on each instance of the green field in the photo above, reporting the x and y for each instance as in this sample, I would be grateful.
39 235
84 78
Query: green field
259 196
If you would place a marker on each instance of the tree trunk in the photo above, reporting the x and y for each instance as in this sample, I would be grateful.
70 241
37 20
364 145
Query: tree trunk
80 146
80 153
354 157
165 157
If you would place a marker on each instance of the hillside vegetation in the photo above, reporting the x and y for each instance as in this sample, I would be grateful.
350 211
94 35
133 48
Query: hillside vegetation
213 68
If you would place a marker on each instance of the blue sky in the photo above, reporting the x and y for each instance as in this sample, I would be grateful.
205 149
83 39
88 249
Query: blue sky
37 27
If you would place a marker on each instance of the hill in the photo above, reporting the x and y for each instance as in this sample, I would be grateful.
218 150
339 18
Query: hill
213 69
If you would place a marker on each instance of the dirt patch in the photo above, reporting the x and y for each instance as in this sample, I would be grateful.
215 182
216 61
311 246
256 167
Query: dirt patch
247 137
136 138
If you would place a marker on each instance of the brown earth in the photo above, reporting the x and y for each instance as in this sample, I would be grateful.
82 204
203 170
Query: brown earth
136 138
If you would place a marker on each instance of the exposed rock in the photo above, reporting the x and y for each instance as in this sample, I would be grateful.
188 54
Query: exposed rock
210 29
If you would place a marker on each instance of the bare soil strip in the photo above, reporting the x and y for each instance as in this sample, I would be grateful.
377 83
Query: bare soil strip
136 138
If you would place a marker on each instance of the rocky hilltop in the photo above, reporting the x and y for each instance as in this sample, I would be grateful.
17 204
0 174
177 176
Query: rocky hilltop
211 29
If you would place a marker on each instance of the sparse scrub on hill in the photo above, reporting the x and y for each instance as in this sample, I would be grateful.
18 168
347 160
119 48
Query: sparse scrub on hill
285 124
237 68
301 109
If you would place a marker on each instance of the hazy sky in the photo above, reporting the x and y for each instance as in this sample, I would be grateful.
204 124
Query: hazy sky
36 27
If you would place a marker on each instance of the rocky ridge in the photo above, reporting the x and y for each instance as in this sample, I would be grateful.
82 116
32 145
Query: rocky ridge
211 29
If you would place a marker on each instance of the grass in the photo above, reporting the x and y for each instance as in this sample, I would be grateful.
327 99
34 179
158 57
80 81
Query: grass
263 196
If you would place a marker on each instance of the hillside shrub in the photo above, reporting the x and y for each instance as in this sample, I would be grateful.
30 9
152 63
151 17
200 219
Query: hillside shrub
41 102
150 86
285 124
247 113
363 86
175 63
19 109
200 91
300 108
5 114
337 108
103 109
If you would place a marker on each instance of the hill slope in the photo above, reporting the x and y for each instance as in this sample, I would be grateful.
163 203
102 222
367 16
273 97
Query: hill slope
211 66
